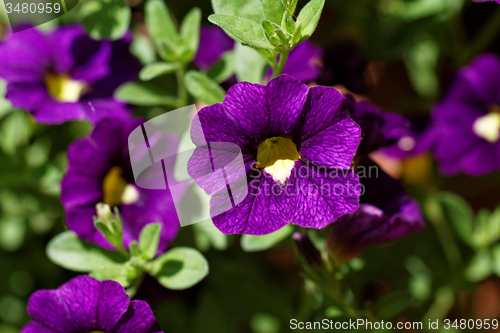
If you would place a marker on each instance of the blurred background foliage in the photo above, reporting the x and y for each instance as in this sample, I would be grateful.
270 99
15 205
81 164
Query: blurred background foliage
413 47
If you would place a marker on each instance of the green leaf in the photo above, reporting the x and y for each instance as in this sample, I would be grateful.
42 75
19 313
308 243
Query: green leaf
392 304
495 259
180 268
138 94
252 243
479 267
143 48
68 251
190 31
250 65
421 61
15 131
223 69
206 234
124 274
273 10
309 17
105 19
459 214
250 9
162 29
156 69
149 240
203 88
244 30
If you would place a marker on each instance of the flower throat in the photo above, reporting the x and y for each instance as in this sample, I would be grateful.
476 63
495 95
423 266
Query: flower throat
277 157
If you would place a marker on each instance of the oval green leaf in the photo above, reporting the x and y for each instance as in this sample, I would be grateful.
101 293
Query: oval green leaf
180 268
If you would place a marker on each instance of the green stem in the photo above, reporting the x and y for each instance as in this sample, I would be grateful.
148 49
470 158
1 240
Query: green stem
134 288
281 64
483 39
182 94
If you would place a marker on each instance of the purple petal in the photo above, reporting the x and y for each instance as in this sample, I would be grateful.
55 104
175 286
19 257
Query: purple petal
334 147
24 57
138 319
28 96
80 189
54 112
213 44
62 41
324 108
71 308
113 304
97 67
34 327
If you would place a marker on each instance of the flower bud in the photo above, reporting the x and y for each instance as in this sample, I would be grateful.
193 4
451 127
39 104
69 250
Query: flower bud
307 250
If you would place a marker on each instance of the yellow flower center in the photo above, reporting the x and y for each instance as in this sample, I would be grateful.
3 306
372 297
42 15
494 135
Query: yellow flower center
62 88
116 190
277 157
488 126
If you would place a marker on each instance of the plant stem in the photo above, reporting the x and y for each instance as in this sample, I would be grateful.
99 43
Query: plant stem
134 288
182 95
483 39
281 64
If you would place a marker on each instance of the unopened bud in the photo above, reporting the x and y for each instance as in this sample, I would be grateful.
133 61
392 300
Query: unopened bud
306 249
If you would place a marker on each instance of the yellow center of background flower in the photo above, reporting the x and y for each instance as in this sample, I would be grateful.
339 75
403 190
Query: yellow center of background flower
116 190
62 88
277 157
488 126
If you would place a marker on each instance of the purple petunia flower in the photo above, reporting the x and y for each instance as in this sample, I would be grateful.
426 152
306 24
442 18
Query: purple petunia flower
64 75
385 213
213 44
497 1
296 143
380 129
85 304
417 140
467 121
304 62
99 170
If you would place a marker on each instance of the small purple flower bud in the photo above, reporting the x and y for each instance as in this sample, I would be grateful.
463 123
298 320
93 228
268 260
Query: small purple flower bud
306 249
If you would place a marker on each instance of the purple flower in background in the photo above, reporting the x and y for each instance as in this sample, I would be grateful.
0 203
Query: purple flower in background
385 213
85 304
296 144
497 1
417 140
100 170
344 64
304 62
213 44
65 75
467 121
380 129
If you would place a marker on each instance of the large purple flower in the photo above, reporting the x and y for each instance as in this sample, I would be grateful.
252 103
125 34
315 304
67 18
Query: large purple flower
100 171
467 121
85 305
304 62
385 213
380 129
64 75
297 144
